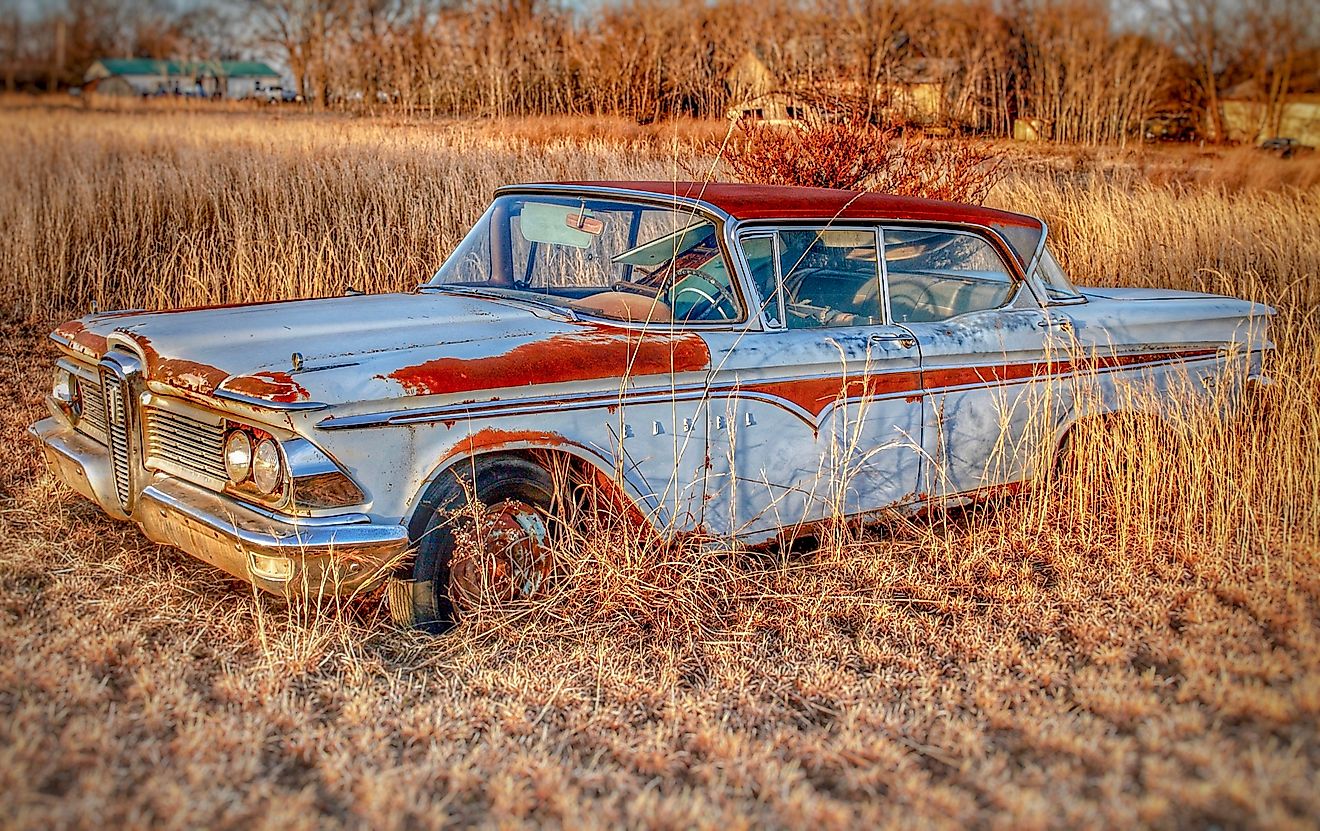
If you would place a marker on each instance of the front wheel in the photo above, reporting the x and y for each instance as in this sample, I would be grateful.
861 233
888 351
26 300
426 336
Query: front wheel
484 533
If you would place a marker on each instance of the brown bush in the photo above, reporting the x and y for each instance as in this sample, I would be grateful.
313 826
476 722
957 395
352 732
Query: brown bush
851 153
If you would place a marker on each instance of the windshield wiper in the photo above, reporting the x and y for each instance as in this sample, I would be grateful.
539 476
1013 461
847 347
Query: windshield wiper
503 294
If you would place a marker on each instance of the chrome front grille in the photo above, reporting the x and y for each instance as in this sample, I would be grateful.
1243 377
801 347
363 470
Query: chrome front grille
181 444
114 392
92 421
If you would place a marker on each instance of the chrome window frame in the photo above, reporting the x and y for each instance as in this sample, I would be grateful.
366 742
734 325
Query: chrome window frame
771 234
733 227
1043 293
1013 266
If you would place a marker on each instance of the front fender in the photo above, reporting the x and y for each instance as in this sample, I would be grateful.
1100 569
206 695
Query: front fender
641 503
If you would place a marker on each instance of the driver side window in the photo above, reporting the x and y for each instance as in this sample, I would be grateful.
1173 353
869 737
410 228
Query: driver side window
830 277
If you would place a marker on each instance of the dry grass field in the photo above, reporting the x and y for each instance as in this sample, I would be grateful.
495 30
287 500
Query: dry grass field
1135 645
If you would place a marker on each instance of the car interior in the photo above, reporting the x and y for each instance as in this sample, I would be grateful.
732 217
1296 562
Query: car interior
639 262
671 267
831 277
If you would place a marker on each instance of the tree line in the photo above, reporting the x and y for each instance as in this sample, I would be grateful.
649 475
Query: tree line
1080 70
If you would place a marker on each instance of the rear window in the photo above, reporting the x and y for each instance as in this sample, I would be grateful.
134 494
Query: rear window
1022 239
1052 278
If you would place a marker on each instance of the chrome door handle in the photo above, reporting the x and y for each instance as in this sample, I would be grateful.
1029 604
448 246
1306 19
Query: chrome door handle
905 341
1049 322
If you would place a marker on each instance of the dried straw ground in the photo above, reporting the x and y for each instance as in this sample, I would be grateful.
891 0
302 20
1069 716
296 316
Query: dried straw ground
1134 645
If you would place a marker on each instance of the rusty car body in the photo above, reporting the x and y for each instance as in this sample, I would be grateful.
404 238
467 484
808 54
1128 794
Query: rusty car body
733 360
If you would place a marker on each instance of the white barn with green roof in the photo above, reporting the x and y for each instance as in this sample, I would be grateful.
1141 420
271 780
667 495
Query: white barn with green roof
210 79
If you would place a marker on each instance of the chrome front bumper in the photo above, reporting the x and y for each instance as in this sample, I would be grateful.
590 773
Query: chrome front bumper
308 556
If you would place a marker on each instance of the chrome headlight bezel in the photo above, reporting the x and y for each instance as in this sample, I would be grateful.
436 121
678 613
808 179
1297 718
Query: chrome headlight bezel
292 475
238 454
267 467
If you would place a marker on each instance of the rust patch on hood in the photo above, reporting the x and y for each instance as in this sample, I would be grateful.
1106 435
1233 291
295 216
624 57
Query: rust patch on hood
189 376
81 339
203 379
584 356
279 387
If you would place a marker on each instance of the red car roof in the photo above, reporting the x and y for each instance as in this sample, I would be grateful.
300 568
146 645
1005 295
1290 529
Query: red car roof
753 202
776 201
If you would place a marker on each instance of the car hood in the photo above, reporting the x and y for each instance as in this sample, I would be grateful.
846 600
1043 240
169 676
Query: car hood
375 347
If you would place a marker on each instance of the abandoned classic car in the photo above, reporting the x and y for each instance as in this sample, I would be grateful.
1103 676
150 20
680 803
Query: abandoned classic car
731 360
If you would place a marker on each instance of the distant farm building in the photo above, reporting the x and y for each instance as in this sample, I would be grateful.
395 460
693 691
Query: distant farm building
206 79
1248 119
772 108
1030 129
757 96
917 91
914 91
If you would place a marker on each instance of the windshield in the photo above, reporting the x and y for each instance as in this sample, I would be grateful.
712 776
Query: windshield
609 257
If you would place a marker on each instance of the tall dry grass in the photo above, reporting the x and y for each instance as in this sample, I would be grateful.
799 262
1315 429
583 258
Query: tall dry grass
224 208
1131 643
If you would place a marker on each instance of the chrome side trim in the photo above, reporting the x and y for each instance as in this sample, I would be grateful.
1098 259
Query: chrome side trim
263 403
652 395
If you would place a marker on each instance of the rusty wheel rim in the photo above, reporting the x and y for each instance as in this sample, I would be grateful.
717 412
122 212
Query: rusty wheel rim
507 558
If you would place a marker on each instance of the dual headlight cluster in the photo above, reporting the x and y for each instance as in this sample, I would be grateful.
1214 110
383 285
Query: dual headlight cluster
254 460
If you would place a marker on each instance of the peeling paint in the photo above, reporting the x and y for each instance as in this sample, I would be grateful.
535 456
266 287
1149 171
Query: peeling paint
279 387
489 438
598 353
180 373
816 394
81 339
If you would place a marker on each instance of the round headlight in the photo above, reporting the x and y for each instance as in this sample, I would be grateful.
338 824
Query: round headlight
267 466
238 456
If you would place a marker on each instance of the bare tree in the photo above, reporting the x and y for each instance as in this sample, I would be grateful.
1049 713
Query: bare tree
1205 31
301 29
1280 45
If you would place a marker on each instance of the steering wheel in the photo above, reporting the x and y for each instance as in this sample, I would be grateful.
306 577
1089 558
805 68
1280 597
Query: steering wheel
710 296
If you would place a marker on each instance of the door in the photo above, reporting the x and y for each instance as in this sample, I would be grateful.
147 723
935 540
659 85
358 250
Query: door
989 398
819 414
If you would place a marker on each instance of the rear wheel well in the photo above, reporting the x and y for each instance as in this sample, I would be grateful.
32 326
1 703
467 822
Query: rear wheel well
1111 423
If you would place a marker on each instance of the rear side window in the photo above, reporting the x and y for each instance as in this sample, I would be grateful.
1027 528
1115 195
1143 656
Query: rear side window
936 274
